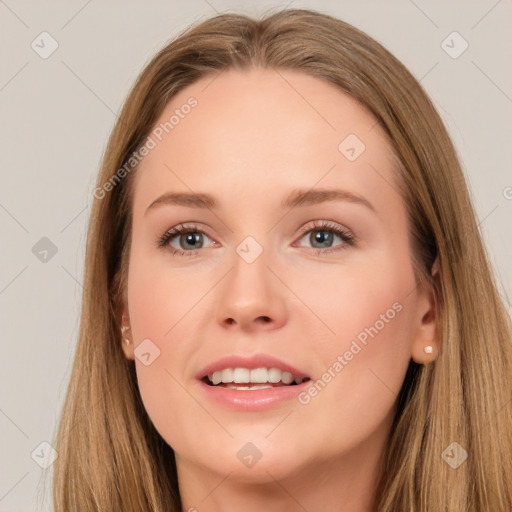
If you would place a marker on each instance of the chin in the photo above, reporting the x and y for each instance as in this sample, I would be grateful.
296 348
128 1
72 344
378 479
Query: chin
251 458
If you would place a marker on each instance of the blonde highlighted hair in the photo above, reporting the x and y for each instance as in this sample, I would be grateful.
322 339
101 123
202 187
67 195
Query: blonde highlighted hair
111 458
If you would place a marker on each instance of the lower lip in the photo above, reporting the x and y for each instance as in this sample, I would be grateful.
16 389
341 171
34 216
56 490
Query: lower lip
257 400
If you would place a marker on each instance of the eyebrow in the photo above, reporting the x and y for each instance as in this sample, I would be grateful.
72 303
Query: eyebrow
296 198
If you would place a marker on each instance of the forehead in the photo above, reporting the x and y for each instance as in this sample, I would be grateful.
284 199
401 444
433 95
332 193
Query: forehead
261 130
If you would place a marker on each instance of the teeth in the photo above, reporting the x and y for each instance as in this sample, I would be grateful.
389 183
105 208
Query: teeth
259 375
274 375
241 375
287 378
226 375
256 376
216 378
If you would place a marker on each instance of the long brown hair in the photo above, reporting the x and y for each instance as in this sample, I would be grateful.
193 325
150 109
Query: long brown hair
111 458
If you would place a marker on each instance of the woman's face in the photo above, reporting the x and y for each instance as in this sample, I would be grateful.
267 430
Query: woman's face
259 274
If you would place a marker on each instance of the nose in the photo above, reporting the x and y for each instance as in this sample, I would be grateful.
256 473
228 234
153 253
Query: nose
252 297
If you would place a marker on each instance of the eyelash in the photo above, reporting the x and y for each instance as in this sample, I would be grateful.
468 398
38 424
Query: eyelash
347 237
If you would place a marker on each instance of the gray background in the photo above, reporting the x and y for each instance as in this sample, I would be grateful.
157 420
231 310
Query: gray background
57 114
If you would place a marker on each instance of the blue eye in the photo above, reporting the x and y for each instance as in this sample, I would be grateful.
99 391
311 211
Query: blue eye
189 237
186 235
324 233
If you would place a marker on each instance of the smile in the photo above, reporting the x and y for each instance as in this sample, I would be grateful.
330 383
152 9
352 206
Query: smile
246 379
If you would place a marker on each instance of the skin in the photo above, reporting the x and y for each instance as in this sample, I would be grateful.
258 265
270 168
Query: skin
253 137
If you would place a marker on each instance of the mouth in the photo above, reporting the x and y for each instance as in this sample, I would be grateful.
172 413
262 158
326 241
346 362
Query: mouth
252 379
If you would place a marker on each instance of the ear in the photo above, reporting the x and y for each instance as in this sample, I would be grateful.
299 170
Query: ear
125 332
426 330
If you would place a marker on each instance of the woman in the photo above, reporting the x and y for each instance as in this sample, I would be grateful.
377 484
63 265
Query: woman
228 362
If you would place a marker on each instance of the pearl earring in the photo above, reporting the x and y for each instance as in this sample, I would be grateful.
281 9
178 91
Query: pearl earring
123 330
428 349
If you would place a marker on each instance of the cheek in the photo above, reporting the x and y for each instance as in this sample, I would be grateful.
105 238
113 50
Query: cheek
164 306
163 297
356 394
365 358
368 303
154 298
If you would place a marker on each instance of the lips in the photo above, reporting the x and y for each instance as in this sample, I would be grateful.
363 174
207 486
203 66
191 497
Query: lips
247 395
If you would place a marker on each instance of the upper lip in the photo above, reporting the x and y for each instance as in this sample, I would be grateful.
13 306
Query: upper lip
251 362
